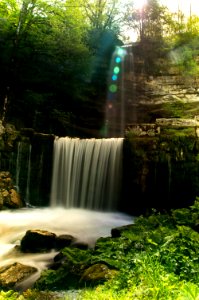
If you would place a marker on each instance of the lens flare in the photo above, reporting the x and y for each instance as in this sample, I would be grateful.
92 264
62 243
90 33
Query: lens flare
121 52
117 59
114 77
113 88
116 70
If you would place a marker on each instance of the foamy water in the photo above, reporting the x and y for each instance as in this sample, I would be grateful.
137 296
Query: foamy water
85 225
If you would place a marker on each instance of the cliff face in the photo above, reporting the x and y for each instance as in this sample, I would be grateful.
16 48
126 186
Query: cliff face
142 97
166 96
161 146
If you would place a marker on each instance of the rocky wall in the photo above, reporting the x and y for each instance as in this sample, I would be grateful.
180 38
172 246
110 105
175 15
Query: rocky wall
161 166
27 156
167 96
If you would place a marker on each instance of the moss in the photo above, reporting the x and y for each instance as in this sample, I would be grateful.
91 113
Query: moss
178 132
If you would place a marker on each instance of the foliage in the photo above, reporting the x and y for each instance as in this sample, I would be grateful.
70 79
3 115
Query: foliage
48 62
149 23
11 295
32 294
41 47
147 275
185 50
164 35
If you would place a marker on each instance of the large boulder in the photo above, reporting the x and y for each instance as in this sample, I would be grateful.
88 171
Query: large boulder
38 241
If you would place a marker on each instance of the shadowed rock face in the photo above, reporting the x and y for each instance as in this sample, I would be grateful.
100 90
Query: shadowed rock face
38 241
43 241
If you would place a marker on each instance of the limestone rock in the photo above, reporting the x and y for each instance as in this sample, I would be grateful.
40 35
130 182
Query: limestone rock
9 197
15 200
13 274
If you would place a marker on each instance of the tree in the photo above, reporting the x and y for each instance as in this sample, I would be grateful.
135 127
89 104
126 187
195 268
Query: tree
185 46
103 19
150 22
44 59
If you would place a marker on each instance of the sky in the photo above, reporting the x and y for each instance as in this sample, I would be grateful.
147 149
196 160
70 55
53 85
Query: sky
183 5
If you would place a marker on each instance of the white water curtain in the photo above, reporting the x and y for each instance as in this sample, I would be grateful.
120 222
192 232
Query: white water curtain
87 173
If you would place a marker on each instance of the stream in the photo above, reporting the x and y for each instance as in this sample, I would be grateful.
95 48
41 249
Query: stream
85 225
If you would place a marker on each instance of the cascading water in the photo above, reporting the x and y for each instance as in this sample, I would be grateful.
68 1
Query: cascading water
27 197
33 169
87 173
23 165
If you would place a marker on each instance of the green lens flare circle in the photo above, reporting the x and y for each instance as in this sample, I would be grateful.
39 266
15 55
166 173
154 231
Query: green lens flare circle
116 70
113 88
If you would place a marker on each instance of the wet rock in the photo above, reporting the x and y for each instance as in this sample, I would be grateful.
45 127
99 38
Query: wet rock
41 241
38 241
64 240
177 122
97 272
80 245
58 261
9 197
5 180
11 135
13 200
117 231
13 274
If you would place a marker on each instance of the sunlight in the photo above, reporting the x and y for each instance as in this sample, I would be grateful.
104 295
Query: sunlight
139 3
187 7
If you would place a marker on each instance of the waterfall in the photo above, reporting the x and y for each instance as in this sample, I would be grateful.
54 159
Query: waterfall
23 165
87 173
33 169
27 196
